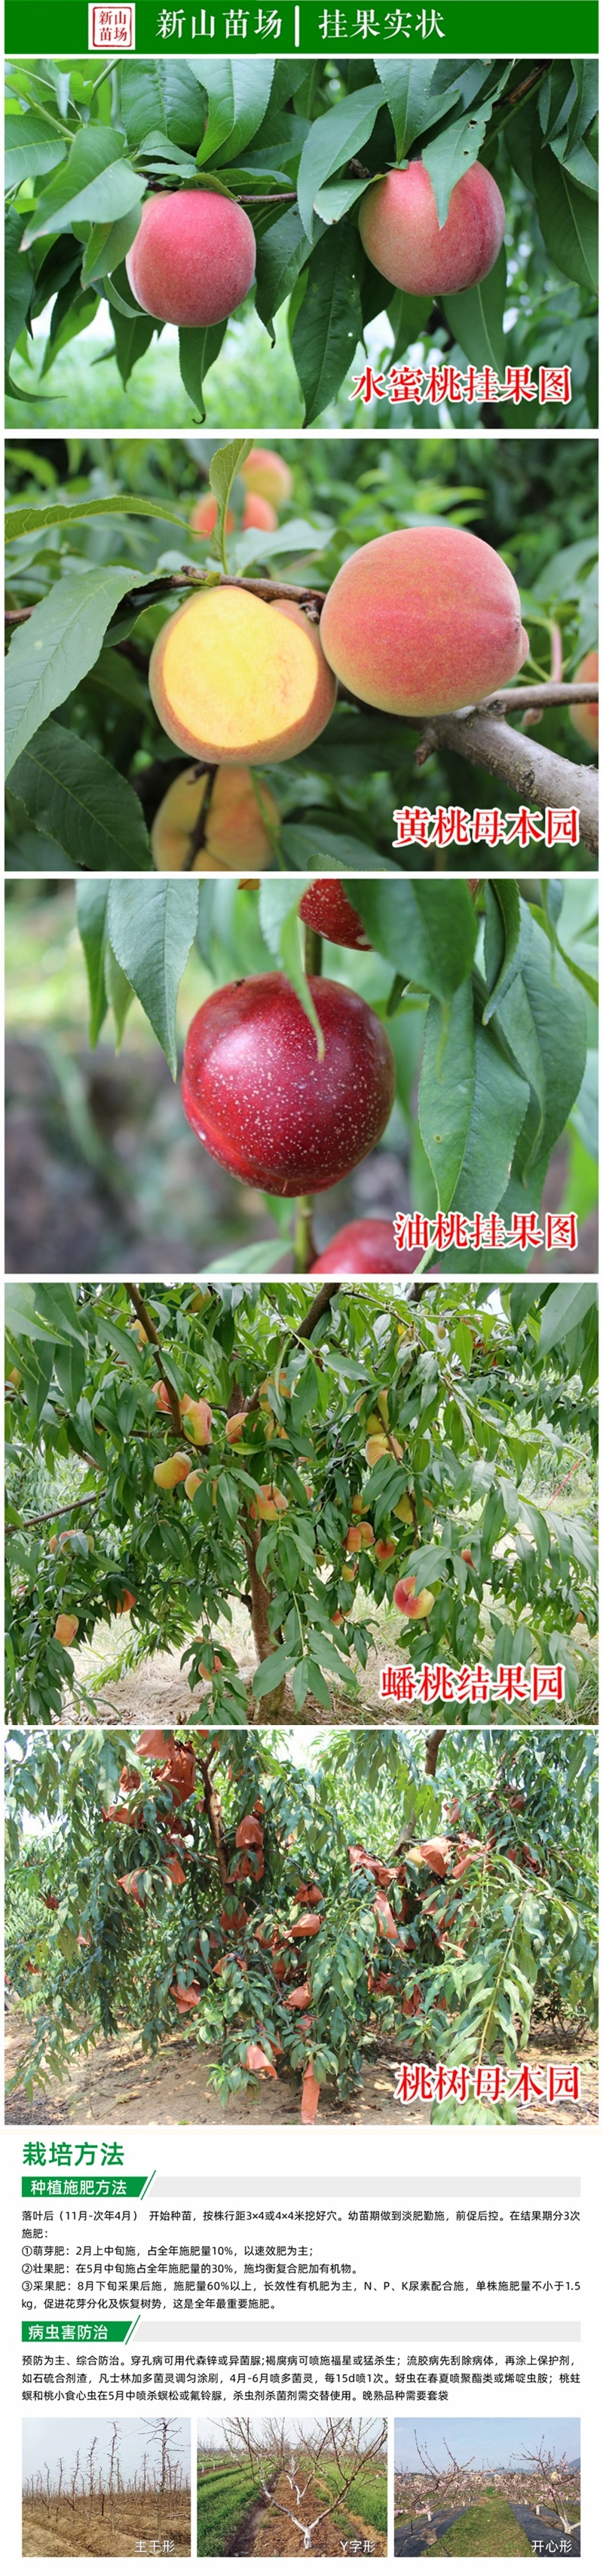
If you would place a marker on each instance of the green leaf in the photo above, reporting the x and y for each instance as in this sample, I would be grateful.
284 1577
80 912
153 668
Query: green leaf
225 465
568 221
59 642
93 814
333 140
107 246
119 991
71 314
92 901
132 335
31 145
95 185
163 94
563 1311
271 1672
238 93
476 317
281 254
408 89
279 923
451 153
18 284
35 517
446 1088
152 933
428 931
544 1024
498 1106
508 934
328 326
198 351
335 199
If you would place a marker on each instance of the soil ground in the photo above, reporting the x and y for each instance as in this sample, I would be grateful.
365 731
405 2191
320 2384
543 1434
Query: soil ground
89 2535
156 1692
116 2082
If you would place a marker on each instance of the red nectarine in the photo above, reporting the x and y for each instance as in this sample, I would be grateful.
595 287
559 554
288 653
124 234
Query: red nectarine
261 1100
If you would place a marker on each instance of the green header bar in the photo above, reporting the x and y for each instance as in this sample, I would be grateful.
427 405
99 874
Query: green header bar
456 27
84 2186
51 2330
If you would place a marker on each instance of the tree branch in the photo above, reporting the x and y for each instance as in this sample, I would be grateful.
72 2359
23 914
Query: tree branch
152 1335
535 775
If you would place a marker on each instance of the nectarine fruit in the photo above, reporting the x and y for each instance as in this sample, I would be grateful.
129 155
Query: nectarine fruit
365 1246
327 909
192 260
242 818
234 678
585 718
266 472
261 1100
424 620
399 228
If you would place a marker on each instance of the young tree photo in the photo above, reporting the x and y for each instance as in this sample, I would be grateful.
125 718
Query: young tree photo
312 2486
328 654
327 1922
246 249
282 1488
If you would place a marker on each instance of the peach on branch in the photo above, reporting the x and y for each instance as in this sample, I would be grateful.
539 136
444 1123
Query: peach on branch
327 909
401 234
171 1471
191 1483
198 1420
403 1511
385 1548
376 1447
266 1505
236 678
261 1099
411 1604
266 472
364 1247
585 718
235 1428
361 1534
66 1628
240 816
423 621
192 260
204 515
258 513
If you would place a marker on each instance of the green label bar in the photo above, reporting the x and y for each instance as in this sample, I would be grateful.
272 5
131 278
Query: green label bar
49 2330
456 27
84 2186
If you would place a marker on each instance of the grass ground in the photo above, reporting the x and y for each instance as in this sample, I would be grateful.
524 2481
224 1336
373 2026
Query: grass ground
223 2497
487 2530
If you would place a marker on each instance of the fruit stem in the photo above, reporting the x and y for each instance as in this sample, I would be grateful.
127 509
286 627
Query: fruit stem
304 1245
313 952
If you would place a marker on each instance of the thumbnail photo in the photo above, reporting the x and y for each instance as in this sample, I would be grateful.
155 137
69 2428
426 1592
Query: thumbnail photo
480 2486
259 1502
96 2490
348 1926
312 2487
299 247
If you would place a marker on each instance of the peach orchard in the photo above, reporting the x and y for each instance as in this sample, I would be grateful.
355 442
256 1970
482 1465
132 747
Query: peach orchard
295 1910
176 1452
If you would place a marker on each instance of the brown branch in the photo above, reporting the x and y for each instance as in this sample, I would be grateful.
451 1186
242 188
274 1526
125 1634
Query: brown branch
536 776
213 1812
62 1511
152 1335
432 1748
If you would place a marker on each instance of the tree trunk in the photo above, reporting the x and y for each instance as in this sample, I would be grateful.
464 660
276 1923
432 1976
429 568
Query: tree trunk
263 1635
